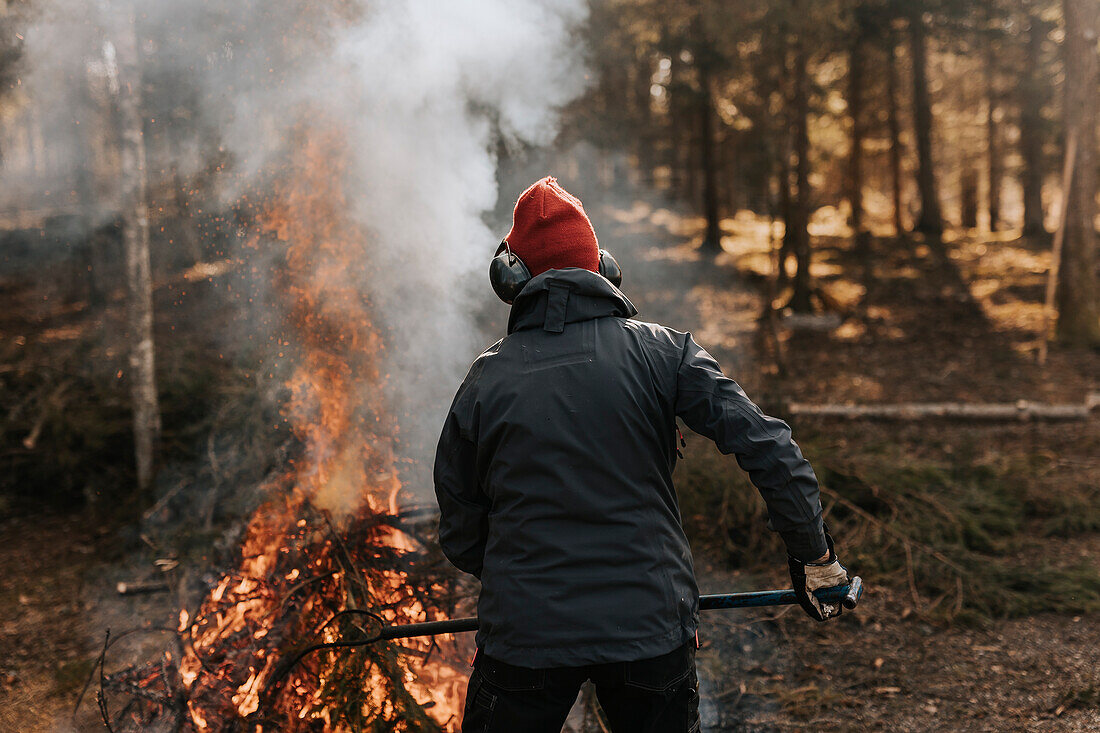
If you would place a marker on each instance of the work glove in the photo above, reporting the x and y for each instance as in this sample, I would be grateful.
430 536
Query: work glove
809 576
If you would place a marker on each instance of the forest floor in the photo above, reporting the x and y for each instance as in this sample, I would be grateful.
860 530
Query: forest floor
917 327
918 654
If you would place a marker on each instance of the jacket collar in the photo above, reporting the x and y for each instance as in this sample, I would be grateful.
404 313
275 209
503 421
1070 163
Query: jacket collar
557 297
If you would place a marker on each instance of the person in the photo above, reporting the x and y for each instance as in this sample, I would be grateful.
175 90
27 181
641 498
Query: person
554 479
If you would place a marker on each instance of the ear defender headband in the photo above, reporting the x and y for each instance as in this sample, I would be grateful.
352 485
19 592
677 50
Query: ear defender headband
508 274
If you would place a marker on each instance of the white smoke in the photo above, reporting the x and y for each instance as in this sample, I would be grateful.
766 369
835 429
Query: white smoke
436 81
423 90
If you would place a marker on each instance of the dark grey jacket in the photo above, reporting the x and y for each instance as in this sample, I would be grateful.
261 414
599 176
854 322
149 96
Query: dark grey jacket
554 477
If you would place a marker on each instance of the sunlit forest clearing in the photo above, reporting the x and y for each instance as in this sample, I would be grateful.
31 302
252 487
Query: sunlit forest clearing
242 270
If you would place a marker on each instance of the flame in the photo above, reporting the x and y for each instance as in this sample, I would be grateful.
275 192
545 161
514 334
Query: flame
328 540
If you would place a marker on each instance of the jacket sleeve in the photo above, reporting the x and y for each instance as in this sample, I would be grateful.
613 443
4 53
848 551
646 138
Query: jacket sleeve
713 405
463 506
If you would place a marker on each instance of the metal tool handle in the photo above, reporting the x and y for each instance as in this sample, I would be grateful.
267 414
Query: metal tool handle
848 595
430 628
855 592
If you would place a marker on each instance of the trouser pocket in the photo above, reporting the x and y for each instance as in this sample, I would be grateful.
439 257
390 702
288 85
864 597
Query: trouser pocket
658 695
663 673
504 698
480 704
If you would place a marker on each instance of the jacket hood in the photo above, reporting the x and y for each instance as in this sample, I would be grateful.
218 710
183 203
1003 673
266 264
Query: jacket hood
558 297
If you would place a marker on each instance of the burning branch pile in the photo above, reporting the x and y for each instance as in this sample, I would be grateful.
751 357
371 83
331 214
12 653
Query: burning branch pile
330 542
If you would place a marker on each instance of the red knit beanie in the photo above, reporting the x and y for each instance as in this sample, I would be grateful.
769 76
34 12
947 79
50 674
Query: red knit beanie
550 230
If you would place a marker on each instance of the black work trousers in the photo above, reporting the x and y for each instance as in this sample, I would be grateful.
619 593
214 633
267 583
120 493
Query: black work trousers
658 695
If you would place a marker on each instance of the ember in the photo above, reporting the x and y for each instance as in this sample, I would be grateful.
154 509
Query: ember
330 541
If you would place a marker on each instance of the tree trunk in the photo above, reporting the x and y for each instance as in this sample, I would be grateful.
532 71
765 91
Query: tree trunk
993 151
855 155
1031 131
643 144
135 239
968 185
800 299
712 242
930 221
1078 299
786 147
895 134
786 207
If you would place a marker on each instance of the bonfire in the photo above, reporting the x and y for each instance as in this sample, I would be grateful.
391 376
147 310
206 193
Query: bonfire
329 555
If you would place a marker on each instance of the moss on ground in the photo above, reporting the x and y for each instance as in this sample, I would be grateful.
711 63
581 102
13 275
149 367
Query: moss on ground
956 534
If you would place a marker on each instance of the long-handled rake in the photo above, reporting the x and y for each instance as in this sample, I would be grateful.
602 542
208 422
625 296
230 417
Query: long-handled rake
846 595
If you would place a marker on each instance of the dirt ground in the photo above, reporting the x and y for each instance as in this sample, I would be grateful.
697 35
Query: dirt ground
872 670
917 327
46 612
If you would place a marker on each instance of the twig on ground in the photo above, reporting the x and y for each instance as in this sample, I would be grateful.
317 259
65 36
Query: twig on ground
855 508
163 501
911 578
54 402
108 642
140 587
101 694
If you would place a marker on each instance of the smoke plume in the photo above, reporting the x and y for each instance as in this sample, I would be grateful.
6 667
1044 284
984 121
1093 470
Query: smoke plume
422 92
438 83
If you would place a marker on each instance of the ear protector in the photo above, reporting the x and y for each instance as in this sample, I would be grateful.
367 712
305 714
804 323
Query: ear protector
508 274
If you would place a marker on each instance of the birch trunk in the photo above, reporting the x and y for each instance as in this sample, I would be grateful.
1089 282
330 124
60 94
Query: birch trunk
135 240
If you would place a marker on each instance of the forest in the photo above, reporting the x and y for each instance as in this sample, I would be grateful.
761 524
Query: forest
243 255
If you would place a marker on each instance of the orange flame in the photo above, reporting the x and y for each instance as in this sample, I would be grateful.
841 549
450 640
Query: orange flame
298 566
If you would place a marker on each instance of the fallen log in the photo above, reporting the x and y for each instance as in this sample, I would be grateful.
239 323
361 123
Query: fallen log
1021 410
